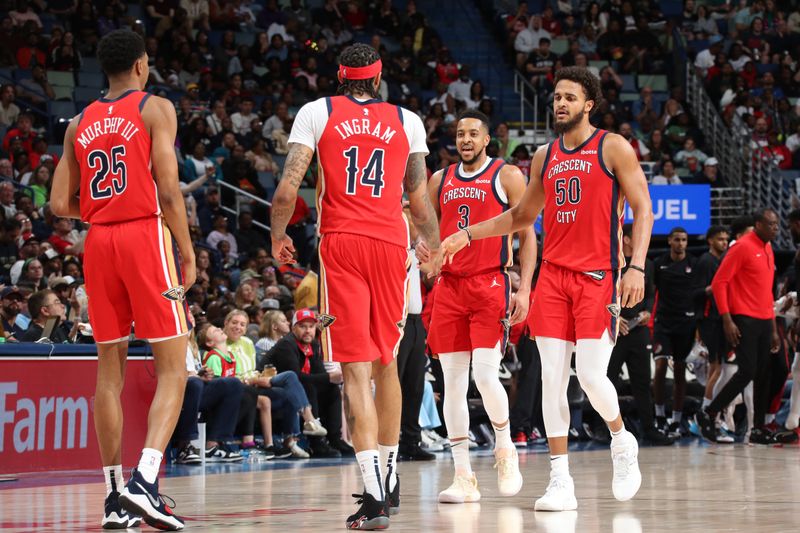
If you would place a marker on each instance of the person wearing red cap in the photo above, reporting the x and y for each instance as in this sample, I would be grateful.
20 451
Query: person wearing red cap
369 154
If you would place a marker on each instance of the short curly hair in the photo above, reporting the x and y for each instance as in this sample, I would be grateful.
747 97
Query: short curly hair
583 77
119 50
358 55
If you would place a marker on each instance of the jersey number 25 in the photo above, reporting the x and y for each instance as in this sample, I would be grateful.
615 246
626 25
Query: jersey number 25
108 164
371 175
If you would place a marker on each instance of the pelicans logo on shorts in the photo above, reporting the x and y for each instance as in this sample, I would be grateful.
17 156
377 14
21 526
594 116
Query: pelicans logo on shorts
176 294
325 321
613 309
506 324
401 324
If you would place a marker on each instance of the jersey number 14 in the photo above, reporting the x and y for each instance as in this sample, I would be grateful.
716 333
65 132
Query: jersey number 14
370 176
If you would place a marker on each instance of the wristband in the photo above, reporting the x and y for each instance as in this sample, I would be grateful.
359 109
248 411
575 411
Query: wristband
469 236
640 269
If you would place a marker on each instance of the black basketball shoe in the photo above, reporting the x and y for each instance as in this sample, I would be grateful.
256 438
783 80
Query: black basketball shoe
116 517
705 422
393 497
142 498
372 514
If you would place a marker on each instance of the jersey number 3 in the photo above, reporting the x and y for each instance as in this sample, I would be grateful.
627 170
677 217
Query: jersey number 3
371 175
107 164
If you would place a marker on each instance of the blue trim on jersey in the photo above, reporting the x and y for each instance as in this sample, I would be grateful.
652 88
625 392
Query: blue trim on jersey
81 117
118 98
614 280
441 185
495 177
400 113
329 105
614 226
600 157
546 160
584 143
365 102
458 175
144 101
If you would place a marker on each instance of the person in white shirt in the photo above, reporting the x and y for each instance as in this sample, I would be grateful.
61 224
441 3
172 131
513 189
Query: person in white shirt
221 233
460 88
705 58
242 119
528 39
214 120
667 176
277 121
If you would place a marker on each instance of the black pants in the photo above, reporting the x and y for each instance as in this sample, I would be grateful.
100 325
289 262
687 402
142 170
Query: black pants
411 361
635 351
248 409
301 242
218 400
527 409
326 404
753 360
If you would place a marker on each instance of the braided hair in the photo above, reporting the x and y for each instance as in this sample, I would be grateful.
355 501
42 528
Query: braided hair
358 55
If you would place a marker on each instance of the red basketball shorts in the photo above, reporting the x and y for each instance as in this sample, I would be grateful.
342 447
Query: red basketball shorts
570 305
131 269
469 312
363 303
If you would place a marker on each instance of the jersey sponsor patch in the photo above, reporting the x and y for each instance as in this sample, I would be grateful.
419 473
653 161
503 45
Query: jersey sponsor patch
325 321
176 294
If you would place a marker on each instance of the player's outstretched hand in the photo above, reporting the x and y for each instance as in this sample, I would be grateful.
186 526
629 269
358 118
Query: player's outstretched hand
283 249
518 311
423 252
453 244
632 288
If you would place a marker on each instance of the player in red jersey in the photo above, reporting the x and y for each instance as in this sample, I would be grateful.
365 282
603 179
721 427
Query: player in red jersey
581 181
472 313
368 153
118 154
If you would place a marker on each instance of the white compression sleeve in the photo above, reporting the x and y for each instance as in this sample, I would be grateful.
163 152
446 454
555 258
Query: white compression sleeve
556 355
455 367
591 364
486 368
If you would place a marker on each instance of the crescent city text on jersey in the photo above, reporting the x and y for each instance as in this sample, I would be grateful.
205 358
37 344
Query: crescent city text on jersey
108 126
570 165
362 126
464 192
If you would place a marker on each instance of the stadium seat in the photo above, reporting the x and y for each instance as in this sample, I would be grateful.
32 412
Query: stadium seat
22 74
260 71
628 83
90 64
63 79
61 109
309 195
86 95
62 93
57 149
657 82
598 64
92 79
244 38
559 46
267 179
628 97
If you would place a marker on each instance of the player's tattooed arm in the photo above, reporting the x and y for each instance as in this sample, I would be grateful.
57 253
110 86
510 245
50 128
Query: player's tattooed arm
422 211
294 170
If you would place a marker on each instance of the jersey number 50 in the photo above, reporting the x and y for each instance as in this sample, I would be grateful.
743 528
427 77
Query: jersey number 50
108 164
568 190
371 175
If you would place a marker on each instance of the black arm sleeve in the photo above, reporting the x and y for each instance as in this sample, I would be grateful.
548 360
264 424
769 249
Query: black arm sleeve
649 286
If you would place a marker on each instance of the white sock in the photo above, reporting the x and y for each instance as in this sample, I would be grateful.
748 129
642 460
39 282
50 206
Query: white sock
369 462
559 465
769 417
388 456
502 437
149 464
706 403
615 434
661 410
460 451
113 476
677 415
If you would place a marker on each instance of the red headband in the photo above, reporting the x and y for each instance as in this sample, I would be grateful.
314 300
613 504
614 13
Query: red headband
360 73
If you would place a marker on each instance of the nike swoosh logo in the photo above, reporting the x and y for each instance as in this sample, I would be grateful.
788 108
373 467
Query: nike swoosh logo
149 496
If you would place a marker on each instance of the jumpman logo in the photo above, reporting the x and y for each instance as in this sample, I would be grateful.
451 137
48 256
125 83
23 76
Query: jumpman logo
555 158
450 182
494 283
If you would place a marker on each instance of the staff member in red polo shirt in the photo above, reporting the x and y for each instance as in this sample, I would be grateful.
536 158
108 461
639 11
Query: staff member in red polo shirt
742 288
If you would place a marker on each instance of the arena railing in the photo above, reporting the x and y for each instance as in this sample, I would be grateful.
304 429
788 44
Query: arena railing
241 198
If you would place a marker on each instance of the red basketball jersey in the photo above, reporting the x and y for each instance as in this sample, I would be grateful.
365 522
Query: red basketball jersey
112 147
362 154
464 201
583 208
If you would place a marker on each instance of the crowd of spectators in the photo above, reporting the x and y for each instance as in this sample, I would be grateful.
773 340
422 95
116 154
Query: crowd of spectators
747 56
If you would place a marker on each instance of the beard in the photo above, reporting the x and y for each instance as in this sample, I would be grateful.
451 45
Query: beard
478 155
563 127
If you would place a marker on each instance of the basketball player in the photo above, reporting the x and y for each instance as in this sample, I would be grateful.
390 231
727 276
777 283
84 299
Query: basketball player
368 153
118 154
470 316
580 180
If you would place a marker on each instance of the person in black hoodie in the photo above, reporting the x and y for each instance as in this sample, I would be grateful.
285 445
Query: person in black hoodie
299 352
